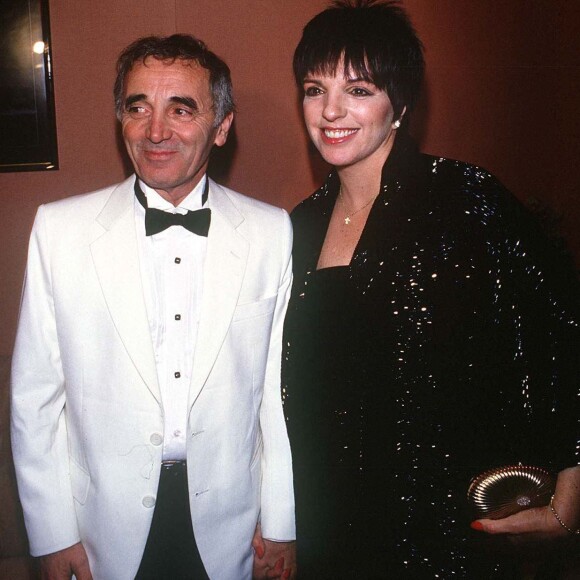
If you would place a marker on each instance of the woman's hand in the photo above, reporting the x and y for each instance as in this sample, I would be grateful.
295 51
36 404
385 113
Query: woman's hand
273 559
540 524
536 534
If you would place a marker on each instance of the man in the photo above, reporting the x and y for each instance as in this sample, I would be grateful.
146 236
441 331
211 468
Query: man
147 425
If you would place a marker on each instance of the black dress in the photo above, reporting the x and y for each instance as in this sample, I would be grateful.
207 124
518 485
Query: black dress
447 347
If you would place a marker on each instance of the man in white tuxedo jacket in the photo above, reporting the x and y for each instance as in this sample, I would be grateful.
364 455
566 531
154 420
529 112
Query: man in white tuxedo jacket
147 426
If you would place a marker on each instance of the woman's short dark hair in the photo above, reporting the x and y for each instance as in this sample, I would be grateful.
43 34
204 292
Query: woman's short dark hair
376 40
178 47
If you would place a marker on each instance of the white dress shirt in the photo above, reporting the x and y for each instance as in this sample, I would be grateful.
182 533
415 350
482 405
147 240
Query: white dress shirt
172 273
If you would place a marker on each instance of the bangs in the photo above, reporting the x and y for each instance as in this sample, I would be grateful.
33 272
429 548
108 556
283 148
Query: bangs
342 45
333 60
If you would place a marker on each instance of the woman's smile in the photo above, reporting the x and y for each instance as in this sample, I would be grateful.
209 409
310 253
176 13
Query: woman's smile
335 136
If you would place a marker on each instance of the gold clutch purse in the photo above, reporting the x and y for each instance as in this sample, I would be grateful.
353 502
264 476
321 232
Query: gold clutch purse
504 491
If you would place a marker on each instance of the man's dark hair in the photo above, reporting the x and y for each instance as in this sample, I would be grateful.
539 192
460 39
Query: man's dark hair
377 42
178 47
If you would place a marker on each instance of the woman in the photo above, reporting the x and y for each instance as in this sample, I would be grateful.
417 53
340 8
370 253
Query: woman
430 334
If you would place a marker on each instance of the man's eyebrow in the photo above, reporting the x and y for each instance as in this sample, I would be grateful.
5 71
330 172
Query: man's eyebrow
187 101
131 99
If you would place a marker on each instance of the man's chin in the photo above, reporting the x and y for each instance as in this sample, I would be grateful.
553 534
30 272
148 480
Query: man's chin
172 190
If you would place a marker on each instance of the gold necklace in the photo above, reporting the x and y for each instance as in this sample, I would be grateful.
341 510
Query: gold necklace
348 215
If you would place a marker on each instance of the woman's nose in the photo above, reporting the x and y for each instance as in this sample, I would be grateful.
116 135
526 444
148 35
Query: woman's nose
333 108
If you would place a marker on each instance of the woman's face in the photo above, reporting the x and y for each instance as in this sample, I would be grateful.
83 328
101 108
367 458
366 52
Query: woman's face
350 120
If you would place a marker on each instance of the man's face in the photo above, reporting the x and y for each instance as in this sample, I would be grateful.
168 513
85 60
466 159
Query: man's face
168 124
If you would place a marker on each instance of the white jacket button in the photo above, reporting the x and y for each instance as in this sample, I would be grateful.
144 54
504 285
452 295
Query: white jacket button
156 439
148 501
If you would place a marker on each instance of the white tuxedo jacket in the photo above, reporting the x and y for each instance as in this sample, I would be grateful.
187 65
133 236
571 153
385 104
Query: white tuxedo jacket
87 418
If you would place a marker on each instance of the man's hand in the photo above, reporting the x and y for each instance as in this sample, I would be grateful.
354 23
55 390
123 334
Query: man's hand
273 559
63 564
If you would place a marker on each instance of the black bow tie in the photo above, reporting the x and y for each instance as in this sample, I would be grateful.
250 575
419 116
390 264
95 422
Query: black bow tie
157 220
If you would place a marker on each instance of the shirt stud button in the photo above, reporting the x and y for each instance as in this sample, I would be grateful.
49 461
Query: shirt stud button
177 374
178 260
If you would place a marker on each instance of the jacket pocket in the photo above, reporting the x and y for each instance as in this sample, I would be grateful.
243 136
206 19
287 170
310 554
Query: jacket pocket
254 309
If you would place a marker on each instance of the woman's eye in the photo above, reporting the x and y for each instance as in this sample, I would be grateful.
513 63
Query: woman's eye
312 91
360 92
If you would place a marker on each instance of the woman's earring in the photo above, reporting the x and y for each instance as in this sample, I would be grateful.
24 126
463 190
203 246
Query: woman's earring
397 123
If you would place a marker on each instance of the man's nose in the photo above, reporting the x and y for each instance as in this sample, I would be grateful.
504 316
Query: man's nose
158 129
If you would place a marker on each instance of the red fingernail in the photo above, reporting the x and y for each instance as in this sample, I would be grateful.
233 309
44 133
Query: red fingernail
476 526
260 552
286 573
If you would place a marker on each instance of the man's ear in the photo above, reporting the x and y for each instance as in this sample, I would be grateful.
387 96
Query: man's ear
223 129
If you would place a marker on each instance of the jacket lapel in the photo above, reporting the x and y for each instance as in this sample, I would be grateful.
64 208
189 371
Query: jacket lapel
116 258
225 263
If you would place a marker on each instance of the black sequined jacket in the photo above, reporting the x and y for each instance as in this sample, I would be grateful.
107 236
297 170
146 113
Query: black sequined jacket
466 335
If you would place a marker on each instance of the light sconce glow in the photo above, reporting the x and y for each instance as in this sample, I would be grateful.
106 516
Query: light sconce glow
38 47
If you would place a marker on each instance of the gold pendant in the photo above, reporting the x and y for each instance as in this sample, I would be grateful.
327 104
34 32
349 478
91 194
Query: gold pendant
347 220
